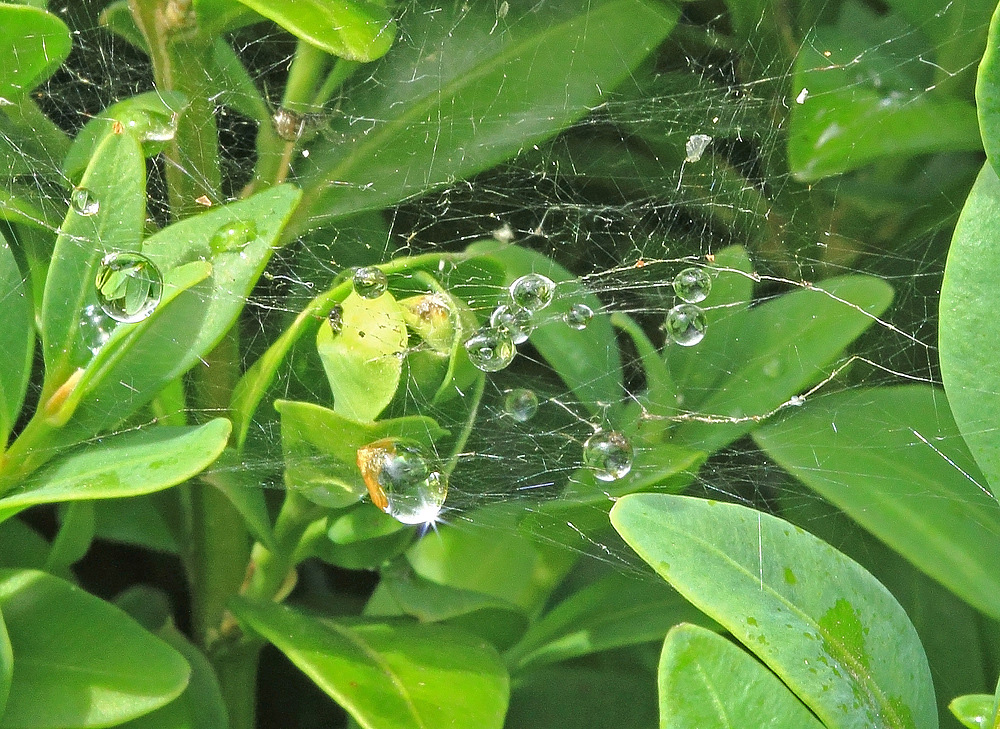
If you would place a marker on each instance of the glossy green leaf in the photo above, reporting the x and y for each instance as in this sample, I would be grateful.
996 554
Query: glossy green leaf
830 631
243 483
34 44
321 449
6 665
75 658
395 674
616 611
587 360
21 546
783 346
975 711
970 373
135 520
563 70
151 117
988 94
136 462
706 682
892 458
358 30
17 339
855 104
364 360
73 540
20 206
115 181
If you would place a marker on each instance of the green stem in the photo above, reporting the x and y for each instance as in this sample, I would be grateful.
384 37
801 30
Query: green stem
340 72
271 570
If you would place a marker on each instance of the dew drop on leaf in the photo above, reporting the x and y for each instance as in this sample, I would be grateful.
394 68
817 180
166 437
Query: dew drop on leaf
693 285
370 282
403 480
234 235
514 321
608 454
578 316
95 327
532 292
84 202
128 285
491 349
685 325
520 404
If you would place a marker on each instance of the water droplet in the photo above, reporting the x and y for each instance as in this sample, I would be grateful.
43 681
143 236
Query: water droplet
695 146
520 404
578 316
403 480
609 454
84 202
532 292
685 325
693 285
370 282
233 235
336 318
491 349
516 322
95 328
128 286
288 125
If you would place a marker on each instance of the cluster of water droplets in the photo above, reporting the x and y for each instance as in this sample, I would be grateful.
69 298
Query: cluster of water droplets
686 322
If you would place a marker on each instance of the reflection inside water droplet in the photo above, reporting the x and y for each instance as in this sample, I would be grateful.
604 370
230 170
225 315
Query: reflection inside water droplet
532 292
520 404
516 322
370 282
129 286
490 349
693 285
608 454
685 325
84 202
403 480
578 316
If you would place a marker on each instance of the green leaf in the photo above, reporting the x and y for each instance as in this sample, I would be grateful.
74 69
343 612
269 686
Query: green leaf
616 611
988 94
136 462
135 520
892 458
562 66
358 30
970 373
390 674
706 682
73 540
587 360
76 658
833 634
115 181
6 665
242 483
975 711
783 346
857 103
33 45
151 117
364 360
321 449
21 546
17 339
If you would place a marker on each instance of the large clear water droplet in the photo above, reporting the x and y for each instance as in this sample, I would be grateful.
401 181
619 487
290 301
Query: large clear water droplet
129 286
491 349
532 292
84 202
95 328
288 125
578 316
608 454
693 285
403 480
233 235
685 325
520 404
370 282
516 322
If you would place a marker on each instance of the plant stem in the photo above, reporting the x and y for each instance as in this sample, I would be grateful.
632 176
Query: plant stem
270 570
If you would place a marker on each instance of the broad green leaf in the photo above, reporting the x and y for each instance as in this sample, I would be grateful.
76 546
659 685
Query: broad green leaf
151 117
855 104
33 45
17 206
706 682
321 447
967 323
975 711
364 360
433 117
783 346
76 657
135 520
73 540
17 339
115 181
616 611
21 546
893 459
133 463
587 360
988 94
830 631
6 665
390 674
358 30
365 538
